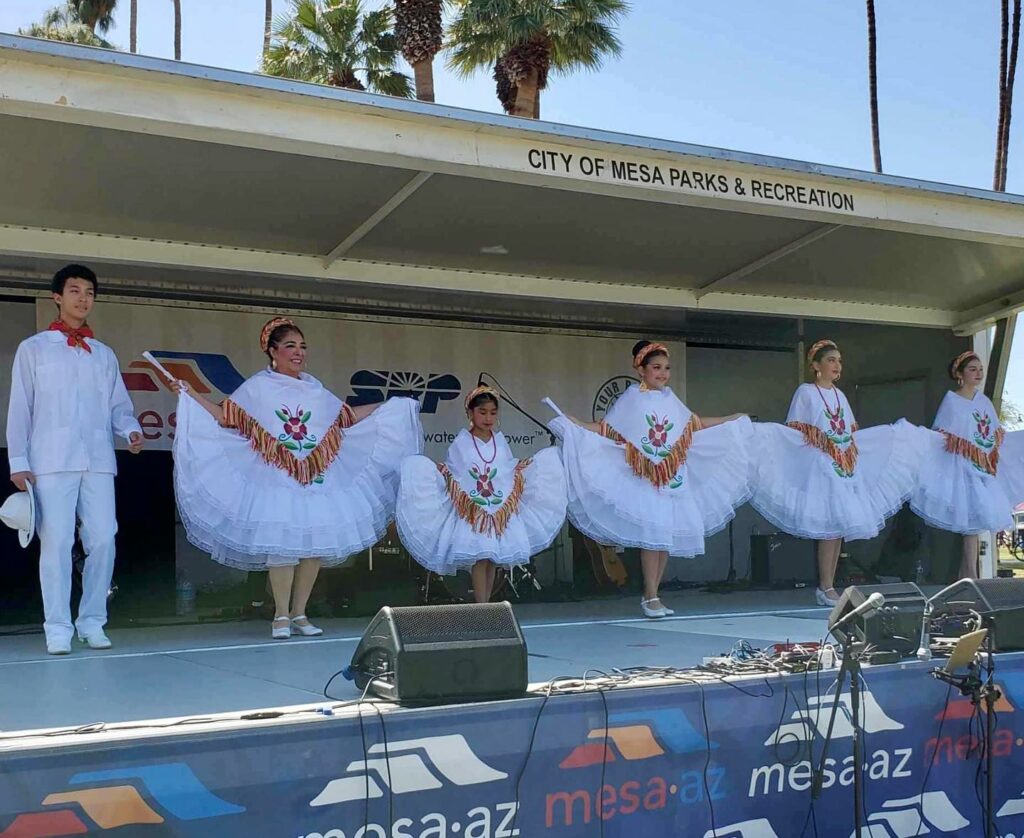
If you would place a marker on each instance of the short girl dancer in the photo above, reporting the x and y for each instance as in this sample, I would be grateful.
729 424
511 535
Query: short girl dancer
283 476
972 472
482 507
653 474
820 477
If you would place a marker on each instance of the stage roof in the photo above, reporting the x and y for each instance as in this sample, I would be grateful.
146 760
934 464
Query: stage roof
176 178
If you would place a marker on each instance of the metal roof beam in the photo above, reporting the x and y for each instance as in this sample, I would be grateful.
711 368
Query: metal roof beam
63 84
389 206
769 258
66 245
982 317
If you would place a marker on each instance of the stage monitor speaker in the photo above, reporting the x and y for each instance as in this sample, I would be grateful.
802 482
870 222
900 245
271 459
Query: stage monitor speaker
433 654
999 601
895 627
778 560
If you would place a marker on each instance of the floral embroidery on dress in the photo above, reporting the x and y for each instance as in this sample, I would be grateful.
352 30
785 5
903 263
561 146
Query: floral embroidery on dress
983 436
295 435
837 429
654 443
485 494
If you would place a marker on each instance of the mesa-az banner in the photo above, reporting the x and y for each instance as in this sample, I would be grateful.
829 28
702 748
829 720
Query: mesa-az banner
729 760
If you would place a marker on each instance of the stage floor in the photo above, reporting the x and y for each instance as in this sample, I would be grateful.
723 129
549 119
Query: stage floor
198 669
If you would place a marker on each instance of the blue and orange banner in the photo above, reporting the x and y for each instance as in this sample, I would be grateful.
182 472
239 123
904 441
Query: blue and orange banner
729 760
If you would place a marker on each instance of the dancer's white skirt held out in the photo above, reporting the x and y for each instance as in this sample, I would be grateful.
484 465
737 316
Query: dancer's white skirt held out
612 505
956 496
442 540
798 488
250 515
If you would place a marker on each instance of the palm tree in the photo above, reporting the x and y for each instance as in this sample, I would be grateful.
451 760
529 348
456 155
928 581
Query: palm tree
133 26
876 145
96 14
530 37
505 90
1009 48
333 42
268 19
62 23
420 36
177 29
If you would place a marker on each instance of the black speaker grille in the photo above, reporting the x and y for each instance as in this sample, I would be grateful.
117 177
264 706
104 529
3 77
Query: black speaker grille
983 595
452 623
1002 593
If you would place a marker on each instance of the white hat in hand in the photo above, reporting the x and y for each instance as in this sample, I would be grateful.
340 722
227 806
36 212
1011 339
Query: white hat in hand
19 513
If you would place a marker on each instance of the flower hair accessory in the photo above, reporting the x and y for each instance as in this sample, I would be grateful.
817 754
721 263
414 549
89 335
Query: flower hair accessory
479 391
960 359
821 344
650 349
269 328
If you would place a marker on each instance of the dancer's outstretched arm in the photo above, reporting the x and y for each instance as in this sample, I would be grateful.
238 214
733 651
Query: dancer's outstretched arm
215 410
711 421
364 410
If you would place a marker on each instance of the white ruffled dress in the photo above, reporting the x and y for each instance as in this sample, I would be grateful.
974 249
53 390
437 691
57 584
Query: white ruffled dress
972 472
820 477
291 477
653 478
481 503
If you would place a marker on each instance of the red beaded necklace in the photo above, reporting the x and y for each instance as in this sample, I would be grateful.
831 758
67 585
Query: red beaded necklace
839 405
494 453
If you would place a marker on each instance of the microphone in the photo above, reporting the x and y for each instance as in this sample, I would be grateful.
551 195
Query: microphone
873 602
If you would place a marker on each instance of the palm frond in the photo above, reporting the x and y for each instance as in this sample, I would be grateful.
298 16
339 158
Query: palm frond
334 42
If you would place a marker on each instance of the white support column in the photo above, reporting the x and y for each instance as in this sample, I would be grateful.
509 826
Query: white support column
993 346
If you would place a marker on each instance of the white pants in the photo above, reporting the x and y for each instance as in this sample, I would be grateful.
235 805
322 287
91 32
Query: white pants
62 497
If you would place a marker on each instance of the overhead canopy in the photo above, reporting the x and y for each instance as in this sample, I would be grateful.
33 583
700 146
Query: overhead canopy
198 181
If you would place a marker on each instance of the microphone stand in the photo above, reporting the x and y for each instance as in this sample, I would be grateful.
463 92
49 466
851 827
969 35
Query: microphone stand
990 694
979 685
850 667
514 405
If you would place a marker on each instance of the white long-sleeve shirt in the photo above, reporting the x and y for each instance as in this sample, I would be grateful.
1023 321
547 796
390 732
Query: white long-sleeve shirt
65 406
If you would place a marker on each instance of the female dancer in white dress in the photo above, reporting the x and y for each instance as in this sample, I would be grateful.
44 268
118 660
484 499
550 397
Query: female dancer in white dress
482 507
972 472
653 474
283 476
820 477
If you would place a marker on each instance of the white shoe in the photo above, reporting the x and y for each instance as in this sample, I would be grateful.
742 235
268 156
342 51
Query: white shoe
822 597
58 647
281 632
668 611
653 613
306 628
96 640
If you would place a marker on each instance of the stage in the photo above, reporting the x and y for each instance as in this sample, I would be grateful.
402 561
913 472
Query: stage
198 669
642 756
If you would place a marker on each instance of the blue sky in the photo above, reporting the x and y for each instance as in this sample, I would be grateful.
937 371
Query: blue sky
784 78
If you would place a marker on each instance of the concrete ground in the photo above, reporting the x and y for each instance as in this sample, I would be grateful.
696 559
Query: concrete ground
198 669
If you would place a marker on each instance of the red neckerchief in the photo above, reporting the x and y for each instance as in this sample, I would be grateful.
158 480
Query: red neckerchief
76 337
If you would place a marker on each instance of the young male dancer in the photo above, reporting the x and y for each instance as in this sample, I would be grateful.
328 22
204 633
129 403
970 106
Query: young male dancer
67 401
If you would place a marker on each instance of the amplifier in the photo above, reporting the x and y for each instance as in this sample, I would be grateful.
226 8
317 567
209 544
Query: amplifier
895 627
1000 602
778 560
442 653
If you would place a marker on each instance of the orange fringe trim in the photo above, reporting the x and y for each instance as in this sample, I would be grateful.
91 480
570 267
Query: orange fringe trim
987 462
473 514
274 453
815 436
662 472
